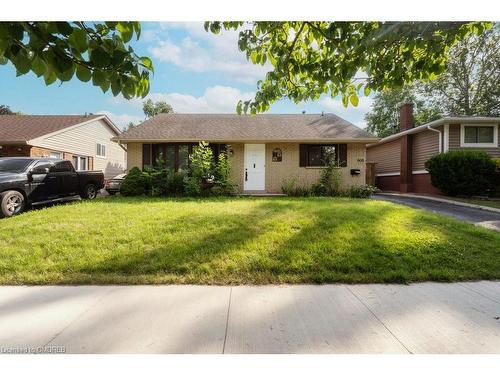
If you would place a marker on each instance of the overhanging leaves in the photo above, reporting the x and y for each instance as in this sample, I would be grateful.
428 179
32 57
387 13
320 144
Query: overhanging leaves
97 51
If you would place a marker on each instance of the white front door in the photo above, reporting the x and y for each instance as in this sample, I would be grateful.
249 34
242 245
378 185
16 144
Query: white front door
255 167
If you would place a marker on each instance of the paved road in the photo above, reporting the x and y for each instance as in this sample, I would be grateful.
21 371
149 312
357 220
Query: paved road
417 318
476 216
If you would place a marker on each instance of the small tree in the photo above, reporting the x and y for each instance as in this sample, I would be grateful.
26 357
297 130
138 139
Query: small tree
152 109
201 169
135 183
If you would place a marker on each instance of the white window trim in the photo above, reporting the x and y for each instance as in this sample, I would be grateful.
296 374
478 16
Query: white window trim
77 166
479 145
387 174
105 150
446 138
60 155
420 171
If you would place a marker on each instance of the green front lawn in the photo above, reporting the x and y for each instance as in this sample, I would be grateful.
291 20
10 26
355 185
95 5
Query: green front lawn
241 240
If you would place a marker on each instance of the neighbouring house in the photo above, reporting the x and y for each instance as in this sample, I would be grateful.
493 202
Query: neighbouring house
264 150
85 140
400 158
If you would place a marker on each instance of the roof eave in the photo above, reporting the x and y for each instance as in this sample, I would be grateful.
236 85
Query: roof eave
158 140
442 121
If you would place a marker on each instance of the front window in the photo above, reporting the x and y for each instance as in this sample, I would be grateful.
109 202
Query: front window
479 136
312 155
55 155
14 165
81 163
175 156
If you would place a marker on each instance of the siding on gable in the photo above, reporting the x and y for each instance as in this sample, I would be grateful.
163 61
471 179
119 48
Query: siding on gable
386 155
455 143
425 144
82 140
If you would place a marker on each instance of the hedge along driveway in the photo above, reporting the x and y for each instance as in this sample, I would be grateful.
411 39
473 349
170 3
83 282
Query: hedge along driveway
242 240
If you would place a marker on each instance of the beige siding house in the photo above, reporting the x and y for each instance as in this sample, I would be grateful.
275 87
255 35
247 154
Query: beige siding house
264 150
84 140
393 159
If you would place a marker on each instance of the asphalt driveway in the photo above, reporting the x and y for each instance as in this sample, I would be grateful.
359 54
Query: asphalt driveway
476 216
370 318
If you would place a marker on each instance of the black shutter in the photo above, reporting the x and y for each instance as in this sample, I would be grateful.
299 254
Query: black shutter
302 155
343 155
146 154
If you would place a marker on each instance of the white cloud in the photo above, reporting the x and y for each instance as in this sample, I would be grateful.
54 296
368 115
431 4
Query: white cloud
215 99
201 51
123 119
350 113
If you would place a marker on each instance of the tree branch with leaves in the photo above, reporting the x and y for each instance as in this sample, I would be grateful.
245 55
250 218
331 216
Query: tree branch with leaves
309 59
97 52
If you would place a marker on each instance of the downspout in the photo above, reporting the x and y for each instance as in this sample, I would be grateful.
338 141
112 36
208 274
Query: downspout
440 147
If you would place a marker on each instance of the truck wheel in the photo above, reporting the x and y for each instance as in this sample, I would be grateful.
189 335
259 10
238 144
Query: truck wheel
11 203
89 191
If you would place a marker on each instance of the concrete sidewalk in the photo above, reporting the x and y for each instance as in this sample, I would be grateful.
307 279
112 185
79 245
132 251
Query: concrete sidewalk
374 318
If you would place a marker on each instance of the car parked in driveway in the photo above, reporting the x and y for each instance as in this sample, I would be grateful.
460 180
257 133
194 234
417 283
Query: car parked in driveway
25 181
113 185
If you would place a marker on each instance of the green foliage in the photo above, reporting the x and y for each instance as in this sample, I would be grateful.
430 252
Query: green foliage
201 176
5 110
462 172
383 119
470 84
152 109
97 51
313 58
135 183
330 181
222 171
360 191
291 188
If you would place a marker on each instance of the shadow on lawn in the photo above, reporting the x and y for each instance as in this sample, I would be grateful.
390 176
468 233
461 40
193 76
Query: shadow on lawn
209 237
327 242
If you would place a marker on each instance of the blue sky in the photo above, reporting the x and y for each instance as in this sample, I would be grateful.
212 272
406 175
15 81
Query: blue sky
195 72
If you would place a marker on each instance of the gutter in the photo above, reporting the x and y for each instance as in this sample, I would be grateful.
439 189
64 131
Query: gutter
440 147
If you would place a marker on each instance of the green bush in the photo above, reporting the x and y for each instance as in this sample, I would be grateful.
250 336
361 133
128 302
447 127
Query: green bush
290 187
462 172
135 183
360 191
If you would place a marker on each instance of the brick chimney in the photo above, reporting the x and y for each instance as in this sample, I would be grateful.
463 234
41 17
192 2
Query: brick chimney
406 116
406 171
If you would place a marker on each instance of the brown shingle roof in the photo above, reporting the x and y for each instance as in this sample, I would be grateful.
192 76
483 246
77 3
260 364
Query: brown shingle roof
22 128
232 127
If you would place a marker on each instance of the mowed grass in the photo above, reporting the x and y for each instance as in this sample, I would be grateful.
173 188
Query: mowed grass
240 241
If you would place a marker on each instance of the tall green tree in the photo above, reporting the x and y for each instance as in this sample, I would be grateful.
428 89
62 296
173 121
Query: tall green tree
152 109
309 59
470 84
93 51
383 119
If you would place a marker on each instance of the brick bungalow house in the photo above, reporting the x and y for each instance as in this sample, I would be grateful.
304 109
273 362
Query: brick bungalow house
85 140
400 158
265 150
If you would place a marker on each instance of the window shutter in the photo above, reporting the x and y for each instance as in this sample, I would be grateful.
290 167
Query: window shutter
302 155
343 155
146 154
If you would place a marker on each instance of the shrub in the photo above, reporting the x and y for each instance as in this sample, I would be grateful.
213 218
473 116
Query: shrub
222 170
135 183
360 191
330 180
290 187
201 170
462 172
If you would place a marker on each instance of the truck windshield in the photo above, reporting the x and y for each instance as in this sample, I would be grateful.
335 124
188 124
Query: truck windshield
13 165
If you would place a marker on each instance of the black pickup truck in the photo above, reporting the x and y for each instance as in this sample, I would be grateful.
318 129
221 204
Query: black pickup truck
25 181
